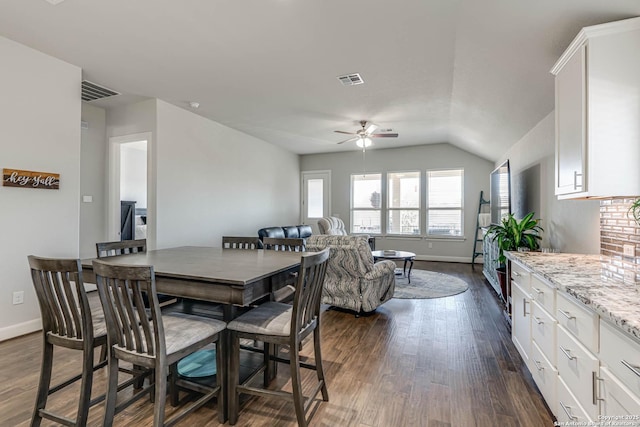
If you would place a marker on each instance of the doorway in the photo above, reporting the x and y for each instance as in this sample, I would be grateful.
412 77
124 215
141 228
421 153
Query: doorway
128 186
316 197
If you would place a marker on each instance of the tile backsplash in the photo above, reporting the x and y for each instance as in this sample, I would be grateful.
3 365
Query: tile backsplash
618 230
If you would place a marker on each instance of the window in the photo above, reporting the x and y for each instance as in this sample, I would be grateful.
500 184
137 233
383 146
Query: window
444 202
403 203
315 194
366 203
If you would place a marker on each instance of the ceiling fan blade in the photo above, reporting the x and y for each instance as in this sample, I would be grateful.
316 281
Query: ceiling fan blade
372 128
384 135
348 140
346 133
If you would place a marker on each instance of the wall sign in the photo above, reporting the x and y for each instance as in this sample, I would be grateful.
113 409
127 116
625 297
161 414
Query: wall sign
30 179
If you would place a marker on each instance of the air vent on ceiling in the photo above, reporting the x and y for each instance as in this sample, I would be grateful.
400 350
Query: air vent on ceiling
92 91
351 79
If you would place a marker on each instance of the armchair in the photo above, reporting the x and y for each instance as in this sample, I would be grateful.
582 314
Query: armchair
332 226
353 281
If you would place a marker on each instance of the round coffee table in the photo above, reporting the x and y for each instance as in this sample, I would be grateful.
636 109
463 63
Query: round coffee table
408 257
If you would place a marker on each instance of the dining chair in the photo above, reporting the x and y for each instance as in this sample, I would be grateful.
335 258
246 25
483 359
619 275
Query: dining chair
283 324
154 340
69 321
284 244
233 242
126 247
123 247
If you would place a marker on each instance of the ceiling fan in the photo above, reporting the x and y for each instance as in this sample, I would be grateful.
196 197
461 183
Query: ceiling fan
363 136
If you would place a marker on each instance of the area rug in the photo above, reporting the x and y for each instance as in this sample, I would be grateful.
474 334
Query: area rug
428 284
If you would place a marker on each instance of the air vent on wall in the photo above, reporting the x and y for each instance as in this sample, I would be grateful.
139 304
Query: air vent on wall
92 91
351 79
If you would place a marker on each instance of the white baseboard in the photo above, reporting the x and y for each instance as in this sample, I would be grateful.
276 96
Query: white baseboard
20 329
463 259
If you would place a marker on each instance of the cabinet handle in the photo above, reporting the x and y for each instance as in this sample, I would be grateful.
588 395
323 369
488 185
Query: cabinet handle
633 368
539 367
594 387
515 273
524 307
567 353
538 291
575 180
538 320
567 315
567 410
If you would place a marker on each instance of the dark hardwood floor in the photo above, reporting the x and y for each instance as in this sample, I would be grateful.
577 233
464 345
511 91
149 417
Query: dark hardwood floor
433 363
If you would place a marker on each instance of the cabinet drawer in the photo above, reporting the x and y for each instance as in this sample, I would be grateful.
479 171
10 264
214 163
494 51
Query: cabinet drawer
578 320
545 376
621 355
521 318
616 398
543 293
568 407
543 331
521 276
576 366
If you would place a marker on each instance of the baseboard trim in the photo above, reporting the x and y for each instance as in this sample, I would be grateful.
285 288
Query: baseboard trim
466 260
24 328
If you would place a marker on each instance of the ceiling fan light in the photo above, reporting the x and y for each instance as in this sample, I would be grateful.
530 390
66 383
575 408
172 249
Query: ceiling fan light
364 142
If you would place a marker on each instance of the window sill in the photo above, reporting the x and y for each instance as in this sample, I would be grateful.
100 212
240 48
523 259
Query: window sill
427 238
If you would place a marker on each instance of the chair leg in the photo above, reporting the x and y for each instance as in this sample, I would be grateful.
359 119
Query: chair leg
234 378
173 389
221 380
298 398
44 384
319 368
160 391
85 386
112 391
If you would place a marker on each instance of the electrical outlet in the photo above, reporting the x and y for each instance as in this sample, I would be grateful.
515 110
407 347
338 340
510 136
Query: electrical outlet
629 250
18 297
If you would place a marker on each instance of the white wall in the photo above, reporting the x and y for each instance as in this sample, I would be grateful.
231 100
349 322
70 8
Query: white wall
214 181
570 225
437 156
133 173
93 151
40 131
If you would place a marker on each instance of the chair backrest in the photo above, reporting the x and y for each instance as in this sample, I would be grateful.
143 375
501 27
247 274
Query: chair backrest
124 247
286 244
332 226
231 242
350 255
129 326
65 310
306 301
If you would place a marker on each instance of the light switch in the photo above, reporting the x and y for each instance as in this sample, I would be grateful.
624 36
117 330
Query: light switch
87 199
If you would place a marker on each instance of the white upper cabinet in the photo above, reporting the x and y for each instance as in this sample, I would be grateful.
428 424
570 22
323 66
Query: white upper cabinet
598 112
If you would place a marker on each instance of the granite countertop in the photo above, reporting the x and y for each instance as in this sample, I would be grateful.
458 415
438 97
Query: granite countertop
581 276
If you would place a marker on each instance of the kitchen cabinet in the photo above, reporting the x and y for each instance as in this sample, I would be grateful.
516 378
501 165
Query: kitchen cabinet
597 108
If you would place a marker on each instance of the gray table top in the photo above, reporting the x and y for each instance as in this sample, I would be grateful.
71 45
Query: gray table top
394 255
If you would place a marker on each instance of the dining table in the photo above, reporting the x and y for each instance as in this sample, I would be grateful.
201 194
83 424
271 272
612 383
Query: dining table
231 277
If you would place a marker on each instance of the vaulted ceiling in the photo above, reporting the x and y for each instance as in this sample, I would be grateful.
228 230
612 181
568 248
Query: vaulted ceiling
471 72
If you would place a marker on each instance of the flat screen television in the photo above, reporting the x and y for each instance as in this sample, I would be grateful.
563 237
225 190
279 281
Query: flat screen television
500 195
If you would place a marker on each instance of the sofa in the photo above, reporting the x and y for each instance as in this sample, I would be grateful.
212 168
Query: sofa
287 231
353 281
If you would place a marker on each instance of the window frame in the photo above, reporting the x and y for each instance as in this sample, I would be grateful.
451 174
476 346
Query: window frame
353 209
428 209
388 209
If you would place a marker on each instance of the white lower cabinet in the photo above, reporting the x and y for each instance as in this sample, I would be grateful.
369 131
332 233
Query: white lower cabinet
621 355
545 375
521 320
616 399
579 369
568 407
543 331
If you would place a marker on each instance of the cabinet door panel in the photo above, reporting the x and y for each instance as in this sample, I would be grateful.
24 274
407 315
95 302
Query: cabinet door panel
521 317
571 125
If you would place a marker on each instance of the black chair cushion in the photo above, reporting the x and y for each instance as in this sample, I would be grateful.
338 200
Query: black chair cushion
276 232
291 232
304 231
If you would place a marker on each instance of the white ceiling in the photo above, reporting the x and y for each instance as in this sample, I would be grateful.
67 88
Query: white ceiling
471 72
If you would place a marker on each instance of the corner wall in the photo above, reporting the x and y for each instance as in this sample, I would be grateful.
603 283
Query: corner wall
40 110
571 226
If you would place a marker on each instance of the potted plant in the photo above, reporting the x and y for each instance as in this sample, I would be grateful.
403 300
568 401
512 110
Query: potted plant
634 210
512 235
